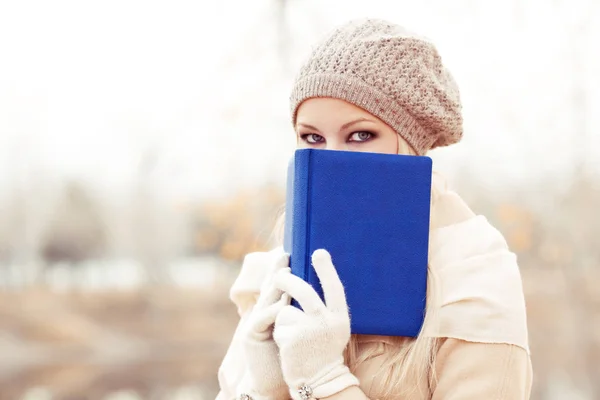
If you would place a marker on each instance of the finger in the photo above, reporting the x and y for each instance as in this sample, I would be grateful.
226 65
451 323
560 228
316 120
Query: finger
279 261
304 294
282 261
285 324
266 317
333 290
269 294
287 316
272 294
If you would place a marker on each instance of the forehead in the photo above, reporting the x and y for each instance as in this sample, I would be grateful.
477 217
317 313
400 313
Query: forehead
329 109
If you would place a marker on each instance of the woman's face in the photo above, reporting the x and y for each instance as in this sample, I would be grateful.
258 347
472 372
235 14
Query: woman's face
332 124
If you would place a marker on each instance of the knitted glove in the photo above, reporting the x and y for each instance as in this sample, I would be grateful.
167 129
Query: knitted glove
311 342
263 379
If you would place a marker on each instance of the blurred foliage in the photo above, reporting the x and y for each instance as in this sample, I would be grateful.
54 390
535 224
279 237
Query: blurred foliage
243 223
517 225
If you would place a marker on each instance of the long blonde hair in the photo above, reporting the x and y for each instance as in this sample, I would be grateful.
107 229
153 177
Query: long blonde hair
407 363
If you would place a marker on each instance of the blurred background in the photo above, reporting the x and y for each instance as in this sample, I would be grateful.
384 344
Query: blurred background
143 147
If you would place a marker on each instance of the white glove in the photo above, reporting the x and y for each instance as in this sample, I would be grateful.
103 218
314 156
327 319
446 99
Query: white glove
311 343
263 379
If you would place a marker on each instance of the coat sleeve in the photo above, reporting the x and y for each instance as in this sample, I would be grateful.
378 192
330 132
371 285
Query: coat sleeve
470 371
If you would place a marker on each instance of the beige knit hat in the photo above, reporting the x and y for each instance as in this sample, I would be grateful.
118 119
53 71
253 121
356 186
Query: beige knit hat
390 72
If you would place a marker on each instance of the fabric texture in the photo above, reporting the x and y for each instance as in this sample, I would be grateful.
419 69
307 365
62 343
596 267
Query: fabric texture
478 280
263 379
244 293
390 72
312 342
464 371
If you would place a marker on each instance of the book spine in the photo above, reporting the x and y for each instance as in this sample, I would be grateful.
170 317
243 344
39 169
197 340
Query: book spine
301 219
288 234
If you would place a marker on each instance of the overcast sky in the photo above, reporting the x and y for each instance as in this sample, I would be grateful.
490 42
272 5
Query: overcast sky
92 89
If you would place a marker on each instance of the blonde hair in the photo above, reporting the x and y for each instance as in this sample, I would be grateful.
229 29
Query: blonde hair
405 361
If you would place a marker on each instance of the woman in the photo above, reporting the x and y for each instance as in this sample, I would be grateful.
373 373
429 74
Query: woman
373 86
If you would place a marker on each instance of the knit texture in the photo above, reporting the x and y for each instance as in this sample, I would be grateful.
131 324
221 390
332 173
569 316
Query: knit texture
390 72
263 379
312 341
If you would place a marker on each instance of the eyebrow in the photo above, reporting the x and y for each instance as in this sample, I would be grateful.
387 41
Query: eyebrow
345 126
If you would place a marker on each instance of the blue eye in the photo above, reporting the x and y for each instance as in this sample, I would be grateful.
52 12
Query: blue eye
361 136
313 138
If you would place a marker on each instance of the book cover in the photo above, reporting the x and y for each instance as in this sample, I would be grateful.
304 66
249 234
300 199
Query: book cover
371 212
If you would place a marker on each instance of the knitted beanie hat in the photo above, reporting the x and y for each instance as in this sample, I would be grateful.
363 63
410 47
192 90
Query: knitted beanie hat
390 72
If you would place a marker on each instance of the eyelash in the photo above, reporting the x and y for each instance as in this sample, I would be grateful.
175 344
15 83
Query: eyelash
305 137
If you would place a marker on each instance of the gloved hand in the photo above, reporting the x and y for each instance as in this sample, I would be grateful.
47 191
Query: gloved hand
263 379
311 342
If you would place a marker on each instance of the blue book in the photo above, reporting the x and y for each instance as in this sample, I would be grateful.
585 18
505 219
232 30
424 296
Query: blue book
371 212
